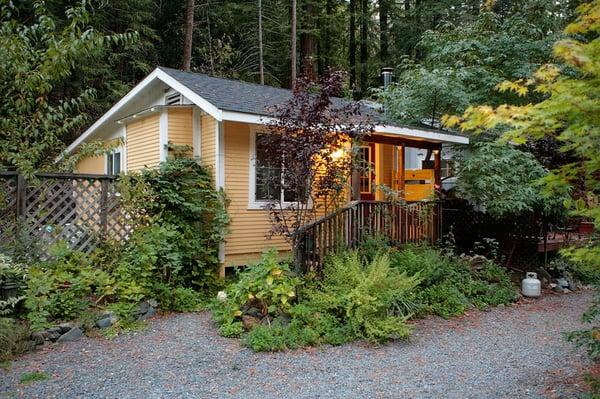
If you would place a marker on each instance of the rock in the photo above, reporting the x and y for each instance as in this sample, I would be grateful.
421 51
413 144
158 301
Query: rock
153 303
149 313
65 327
250 321
72 335
254 312
566 291
562 282
558 289
501 306
266 321
38 338
106 321
53 333
222 296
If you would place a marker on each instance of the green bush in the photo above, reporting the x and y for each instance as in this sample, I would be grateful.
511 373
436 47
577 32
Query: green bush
355 300
268 286
61 289
448 286
14 339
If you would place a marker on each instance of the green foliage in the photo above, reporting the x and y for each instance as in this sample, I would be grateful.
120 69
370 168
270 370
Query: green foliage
448 287
34 376
354 301
187 219
268 286
14 339
463 61
504 181
38 57
61 288
369 298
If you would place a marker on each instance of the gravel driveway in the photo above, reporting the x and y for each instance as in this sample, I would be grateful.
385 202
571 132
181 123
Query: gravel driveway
511 352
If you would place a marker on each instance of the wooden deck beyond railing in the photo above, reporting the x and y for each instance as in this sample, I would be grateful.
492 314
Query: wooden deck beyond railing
348 226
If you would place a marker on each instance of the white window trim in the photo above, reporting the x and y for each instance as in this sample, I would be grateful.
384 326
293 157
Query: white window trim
253 204
120 150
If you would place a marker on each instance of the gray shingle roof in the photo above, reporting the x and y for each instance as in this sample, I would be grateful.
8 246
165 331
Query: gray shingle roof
232 95
252 98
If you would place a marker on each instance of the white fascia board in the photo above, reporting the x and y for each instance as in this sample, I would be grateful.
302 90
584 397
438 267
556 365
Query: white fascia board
115 108
421 134
394 130
233 116
189 94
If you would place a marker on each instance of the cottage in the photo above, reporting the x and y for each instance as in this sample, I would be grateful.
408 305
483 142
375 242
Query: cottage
219 118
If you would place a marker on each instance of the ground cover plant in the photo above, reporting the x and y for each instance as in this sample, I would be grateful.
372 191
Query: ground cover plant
369 293
169 261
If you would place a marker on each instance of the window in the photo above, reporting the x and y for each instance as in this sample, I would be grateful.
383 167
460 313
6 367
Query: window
113 163
447 168
267 180
173 99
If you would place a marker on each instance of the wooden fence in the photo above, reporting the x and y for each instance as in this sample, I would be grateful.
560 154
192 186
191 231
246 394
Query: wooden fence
348 226
80 209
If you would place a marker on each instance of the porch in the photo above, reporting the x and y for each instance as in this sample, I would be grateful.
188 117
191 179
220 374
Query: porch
408 169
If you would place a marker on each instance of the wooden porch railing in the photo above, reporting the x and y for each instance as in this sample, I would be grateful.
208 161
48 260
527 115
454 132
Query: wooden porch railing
348 226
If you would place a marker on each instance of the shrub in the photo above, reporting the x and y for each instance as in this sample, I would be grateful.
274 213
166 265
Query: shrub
184 199
268 286
14 339
61 288
355 300
448 286
370 298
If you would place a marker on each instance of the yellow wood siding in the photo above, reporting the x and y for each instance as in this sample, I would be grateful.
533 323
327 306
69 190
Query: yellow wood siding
208 141
92 165
180 126
249 227
143 143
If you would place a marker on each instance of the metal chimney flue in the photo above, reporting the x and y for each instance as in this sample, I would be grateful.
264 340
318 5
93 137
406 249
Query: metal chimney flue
387 73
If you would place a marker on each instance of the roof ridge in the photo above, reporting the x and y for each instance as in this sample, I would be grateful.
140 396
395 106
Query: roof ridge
226 79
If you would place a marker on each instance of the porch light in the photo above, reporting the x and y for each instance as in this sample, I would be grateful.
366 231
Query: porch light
337 154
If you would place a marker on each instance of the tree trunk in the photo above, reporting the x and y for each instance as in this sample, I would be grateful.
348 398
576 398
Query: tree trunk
364 51
261 66
326 43
352 44
209 38
308 44
383 32
293 44
189 31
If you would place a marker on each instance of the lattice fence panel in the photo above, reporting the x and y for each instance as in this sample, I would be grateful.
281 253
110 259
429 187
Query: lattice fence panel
8 205
82 210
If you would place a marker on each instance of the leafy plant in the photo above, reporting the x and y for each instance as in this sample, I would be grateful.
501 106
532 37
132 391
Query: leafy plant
269 286
14 338
34 376
61 288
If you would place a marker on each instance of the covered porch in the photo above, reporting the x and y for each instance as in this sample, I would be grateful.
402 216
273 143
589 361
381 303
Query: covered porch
399 166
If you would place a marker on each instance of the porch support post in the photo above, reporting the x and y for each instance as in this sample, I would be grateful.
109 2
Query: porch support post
355 179
401 171
437 165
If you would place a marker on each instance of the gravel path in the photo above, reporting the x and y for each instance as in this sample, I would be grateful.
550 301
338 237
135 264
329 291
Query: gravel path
511 352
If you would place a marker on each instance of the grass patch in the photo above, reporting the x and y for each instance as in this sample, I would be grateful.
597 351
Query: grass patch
28 378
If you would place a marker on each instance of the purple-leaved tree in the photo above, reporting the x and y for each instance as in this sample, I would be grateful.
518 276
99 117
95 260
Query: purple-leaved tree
310 147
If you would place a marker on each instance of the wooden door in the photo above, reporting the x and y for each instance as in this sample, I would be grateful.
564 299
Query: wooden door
367 173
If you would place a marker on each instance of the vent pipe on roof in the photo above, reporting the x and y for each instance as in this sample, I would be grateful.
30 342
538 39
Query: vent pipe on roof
387 74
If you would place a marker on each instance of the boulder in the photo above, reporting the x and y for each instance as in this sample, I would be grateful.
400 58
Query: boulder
38 338
65 327
72 335
282 320
150 311
53 333
106 321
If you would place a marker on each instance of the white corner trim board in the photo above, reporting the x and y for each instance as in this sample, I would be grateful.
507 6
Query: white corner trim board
163 141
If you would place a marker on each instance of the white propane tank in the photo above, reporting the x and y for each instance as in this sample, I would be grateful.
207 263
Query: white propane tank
531 286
